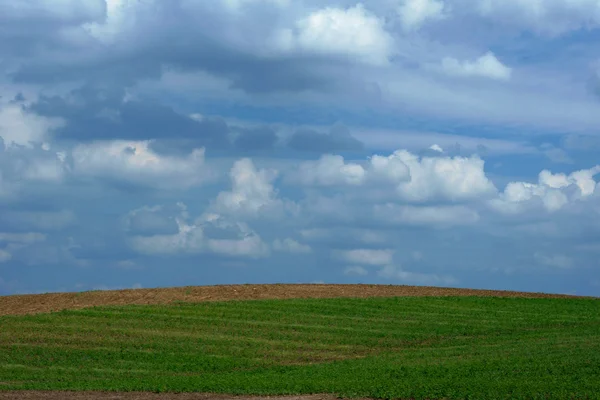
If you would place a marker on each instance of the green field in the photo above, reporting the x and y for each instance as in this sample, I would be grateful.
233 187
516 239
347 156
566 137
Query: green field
427 347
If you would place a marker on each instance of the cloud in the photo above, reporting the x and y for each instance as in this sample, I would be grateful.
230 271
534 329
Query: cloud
552 17
415 179
290 246
365 256
446 178
353 32
188 240
54 11
239 5
557 155
437 216
248 49
211 233
250 246
330 170
135 163
107 107
256 139
19 127
252 191
338 139
29 171
486 66
437 148
96 112
414 13
553 191
390 168
343 235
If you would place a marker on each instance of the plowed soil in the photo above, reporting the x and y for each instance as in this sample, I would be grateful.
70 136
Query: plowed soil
31 395
41 303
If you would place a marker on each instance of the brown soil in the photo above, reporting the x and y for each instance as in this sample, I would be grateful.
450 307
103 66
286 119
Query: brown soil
41 303
38 395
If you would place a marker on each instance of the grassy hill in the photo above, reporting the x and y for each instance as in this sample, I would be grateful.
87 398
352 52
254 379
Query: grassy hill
400 347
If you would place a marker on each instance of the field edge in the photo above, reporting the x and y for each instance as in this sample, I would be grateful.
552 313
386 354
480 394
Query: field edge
49 302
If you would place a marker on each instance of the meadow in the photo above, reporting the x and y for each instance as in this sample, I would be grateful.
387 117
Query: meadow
401 347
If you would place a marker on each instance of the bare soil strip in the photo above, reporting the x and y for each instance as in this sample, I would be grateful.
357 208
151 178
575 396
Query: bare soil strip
42 303
37 395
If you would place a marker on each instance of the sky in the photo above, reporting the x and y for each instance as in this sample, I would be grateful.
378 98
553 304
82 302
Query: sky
157 143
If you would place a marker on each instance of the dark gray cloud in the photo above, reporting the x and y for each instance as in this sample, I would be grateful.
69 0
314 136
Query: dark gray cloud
94 112
181 36
256 139
34 27
338 139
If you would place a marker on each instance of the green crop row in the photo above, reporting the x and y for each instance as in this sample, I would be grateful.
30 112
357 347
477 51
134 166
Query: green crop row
421 348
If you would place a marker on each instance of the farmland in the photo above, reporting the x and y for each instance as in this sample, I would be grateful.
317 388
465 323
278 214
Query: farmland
435 347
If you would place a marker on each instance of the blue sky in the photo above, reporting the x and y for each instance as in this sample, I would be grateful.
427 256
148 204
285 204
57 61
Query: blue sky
152 143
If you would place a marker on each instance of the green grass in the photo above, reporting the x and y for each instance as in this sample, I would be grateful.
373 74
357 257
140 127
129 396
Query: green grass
436 348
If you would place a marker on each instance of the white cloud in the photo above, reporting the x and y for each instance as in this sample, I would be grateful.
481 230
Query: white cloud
23 128
291 246
414 13
449 178
398 274
188 240
365 256
440 216
49 168
330 170
487 66
356 270
391 168
553 191
252 191
353 32
232 238
415 179
136 163
437 148
211 233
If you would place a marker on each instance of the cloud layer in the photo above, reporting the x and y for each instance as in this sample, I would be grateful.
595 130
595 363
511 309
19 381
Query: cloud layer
175 142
